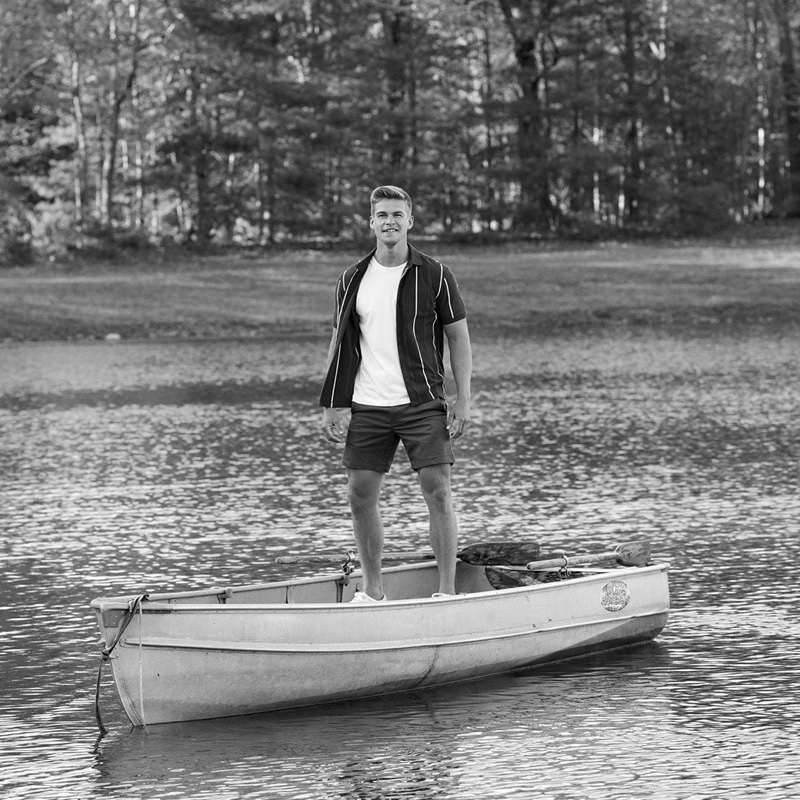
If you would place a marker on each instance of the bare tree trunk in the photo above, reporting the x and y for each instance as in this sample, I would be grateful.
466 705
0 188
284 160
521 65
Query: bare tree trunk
79 179
791 102
492 218
758 205
412 136
119 91
528 30
633 177
179 184
201 228
398 36
229 220
271 200
576 174
597 195
154 213
661 52
101 188
80 173
137 179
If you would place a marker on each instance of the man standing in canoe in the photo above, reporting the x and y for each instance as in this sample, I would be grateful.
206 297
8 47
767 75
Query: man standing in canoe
394 309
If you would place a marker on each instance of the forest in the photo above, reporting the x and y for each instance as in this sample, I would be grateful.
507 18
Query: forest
142 123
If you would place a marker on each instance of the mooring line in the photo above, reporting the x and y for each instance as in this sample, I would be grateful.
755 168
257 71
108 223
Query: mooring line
135 603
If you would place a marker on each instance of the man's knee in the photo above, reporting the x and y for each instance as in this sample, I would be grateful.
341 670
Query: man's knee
435 484
363 489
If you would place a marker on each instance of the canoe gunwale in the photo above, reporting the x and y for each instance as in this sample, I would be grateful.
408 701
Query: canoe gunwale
159 603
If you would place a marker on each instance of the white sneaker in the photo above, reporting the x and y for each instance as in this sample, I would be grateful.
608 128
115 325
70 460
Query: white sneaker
363 597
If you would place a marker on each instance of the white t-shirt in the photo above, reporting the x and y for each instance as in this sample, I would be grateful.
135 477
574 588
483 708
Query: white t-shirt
379 381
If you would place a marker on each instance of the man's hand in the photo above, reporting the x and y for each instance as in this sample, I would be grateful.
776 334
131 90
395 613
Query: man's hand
457 335
458 418
334 428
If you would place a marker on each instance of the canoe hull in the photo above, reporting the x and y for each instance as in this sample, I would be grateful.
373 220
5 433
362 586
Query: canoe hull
180 660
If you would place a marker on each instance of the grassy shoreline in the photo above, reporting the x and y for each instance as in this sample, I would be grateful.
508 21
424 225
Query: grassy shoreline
510 290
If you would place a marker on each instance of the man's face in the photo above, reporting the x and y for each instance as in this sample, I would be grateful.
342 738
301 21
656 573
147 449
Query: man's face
390 221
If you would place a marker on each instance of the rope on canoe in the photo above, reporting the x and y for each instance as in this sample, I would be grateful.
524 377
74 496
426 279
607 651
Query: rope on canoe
134 605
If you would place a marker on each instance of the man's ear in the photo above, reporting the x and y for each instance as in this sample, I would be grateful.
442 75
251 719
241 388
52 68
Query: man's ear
411 221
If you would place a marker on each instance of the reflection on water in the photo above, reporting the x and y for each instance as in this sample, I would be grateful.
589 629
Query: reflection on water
438 743
158 466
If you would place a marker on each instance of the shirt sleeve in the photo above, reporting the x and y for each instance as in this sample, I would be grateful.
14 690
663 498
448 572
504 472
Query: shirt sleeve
449 303
339 300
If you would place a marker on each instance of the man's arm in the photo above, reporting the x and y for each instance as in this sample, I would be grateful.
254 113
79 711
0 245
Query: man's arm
461 364
334 428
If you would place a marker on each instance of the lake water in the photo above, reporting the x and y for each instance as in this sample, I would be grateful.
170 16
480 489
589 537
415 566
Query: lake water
143 466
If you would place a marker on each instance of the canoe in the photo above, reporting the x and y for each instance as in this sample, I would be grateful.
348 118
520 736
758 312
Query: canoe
226 651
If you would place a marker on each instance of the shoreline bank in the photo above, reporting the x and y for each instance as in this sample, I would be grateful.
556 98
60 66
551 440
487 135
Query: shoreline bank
528 292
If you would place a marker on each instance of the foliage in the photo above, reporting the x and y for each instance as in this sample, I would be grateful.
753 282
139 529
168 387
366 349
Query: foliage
268 121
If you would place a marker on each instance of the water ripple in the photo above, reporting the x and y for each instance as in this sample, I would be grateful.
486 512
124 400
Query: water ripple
169 466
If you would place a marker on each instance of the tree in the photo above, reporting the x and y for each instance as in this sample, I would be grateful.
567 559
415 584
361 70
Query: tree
531 26
790 79
26 109
262 121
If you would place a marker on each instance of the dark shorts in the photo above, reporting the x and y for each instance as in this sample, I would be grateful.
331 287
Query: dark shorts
375 432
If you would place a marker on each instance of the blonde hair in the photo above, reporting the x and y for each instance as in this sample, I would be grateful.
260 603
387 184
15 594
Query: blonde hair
389 193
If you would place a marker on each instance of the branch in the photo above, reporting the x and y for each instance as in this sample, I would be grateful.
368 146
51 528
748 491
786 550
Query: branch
23 76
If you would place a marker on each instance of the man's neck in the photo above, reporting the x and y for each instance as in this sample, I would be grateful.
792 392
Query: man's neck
392 256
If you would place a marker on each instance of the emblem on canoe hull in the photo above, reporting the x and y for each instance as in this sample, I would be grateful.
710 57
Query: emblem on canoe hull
615 596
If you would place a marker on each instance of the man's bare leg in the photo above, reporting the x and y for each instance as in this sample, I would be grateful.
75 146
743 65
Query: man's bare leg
435 484
363 493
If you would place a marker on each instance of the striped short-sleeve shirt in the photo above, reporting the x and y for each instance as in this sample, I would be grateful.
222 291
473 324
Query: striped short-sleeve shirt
428 298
